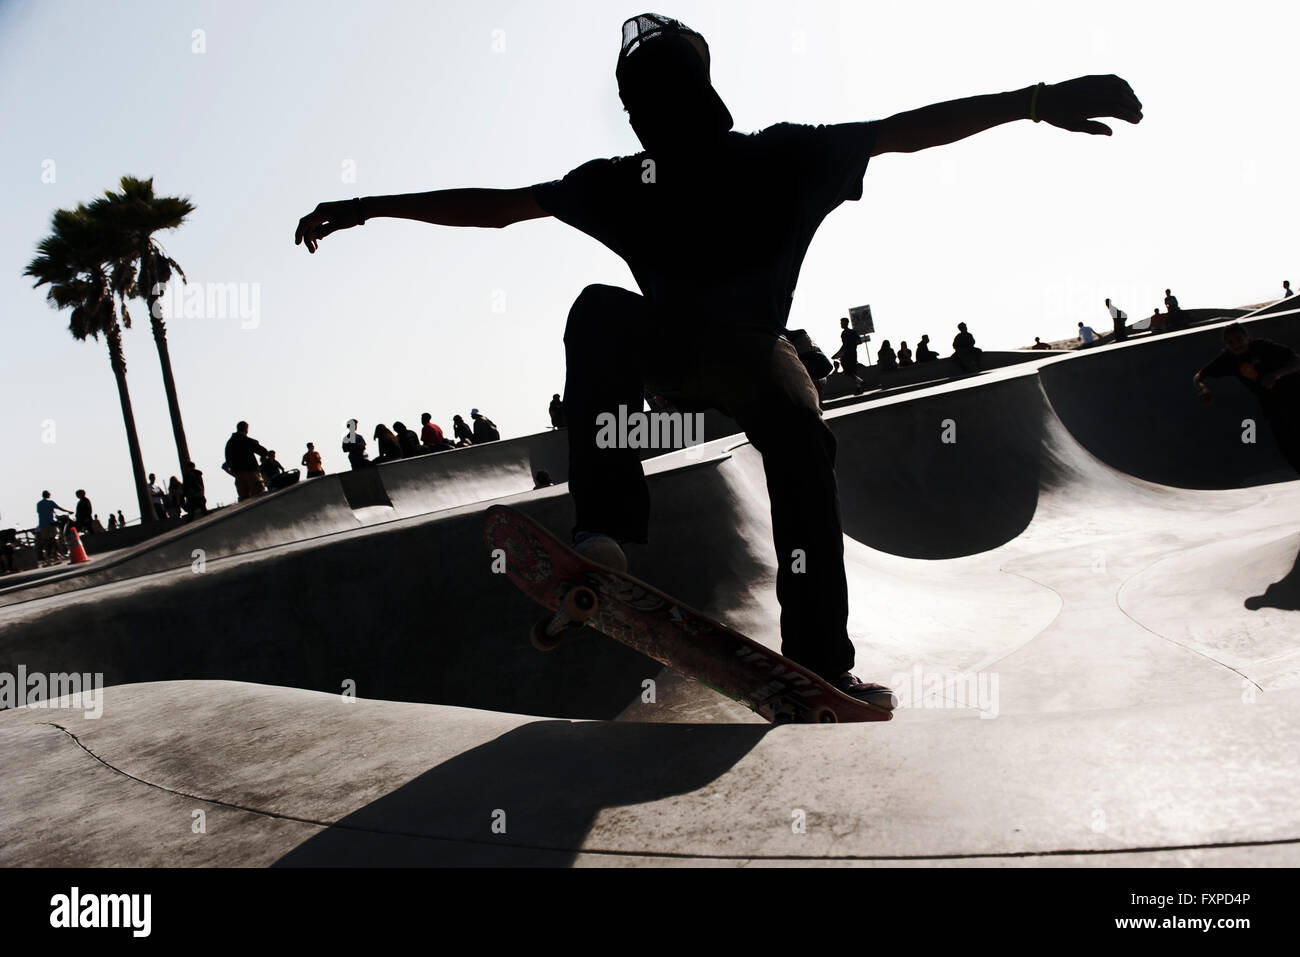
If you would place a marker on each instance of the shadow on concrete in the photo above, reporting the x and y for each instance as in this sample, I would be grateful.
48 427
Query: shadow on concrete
527 779
1283 593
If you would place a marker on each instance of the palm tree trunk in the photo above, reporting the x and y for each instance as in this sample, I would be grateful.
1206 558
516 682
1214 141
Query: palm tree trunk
169 384
117 359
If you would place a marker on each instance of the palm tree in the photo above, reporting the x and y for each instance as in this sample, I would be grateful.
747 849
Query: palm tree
70 261
140 267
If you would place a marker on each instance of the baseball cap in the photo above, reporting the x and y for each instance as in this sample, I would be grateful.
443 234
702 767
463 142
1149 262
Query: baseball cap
642 32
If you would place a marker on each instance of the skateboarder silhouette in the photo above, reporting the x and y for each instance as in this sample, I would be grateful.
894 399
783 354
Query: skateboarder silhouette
714 225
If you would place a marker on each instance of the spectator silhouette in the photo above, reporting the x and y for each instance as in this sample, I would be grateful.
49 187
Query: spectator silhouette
1286 288
121 520
923 351
389 448
270 468
85 516
485 429
196 499
964 352
355 447
1118 317
904 355
241 463
175 497
157 498
112 522
1269 370
1039 344
542 479
408 440
557 412
1087 335
312 463
847 353
886 358
431 437
464 435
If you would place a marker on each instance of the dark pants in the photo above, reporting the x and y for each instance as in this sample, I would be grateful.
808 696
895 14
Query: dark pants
616 346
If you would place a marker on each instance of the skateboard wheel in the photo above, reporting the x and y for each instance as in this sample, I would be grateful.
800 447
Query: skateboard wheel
579 603
825 716
540 636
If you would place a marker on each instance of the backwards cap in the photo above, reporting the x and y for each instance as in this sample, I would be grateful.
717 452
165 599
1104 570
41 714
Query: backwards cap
647 27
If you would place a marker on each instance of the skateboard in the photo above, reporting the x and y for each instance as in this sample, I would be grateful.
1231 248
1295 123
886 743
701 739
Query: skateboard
581 593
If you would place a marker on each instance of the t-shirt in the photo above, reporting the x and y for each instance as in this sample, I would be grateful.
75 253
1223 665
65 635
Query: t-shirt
1087 333
1117 313
963 341
718 236
849 339
431 434
1171 303
312 461
45 512
1261 357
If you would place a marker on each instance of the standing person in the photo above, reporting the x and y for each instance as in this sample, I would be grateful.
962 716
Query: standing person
47 528
847 353
121 520
85 516
715 240
1118 317
485 430
557 412
311 462
1087 335
1286 288
241 462
464 435
1268 369
923 351
196 498
355 447
8 539
175 497
157 498
112 522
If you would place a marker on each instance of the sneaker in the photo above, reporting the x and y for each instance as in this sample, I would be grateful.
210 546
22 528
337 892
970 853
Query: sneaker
601 549
854 687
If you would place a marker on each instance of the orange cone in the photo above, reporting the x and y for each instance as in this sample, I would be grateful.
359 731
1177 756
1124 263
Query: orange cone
77 551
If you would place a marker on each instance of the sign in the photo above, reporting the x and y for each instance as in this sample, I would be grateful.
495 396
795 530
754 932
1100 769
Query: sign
860 319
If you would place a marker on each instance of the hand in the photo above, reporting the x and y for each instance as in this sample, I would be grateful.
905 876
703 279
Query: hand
325 219
1073 104
1206 396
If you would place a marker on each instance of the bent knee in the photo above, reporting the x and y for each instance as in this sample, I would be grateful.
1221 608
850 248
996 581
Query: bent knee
598 307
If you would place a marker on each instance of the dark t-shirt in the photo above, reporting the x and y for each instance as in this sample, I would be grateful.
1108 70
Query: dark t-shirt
963 341
718 236
241 452
849 340
1261 357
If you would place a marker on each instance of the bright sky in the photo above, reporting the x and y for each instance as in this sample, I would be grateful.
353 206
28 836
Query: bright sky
273 107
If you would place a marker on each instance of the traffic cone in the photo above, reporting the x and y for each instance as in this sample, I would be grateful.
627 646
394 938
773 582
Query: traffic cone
77 551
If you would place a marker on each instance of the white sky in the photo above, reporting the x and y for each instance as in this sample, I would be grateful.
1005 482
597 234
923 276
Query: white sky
1021 231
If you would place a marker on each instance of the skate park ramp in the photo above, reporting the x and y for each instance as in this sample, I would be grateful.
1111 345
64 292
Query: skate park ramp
1095 650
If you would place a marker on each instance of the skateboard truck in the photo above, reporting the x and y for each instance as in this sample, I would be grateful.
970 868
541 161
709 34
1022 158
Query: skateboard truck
577 604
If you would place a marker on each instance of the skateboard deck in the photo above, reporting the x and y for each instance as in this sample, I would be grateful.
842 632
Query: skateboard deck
660 627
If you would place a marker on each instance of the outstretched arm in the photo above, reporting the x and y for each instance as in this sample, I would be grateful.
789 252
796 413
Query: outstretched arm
492 208
1072 105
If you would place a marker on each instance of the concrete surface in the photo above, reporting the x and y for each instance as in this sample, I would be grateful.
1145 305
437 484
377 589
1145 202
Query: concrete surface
1118 601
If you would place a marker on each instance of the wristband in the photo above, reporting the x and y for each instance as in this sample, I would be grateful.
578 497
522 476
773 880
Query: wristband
1033 104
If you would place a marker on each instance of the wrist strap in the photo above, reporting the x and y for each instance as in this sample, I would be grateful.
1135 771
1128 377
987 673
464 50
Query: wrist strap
1033 104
